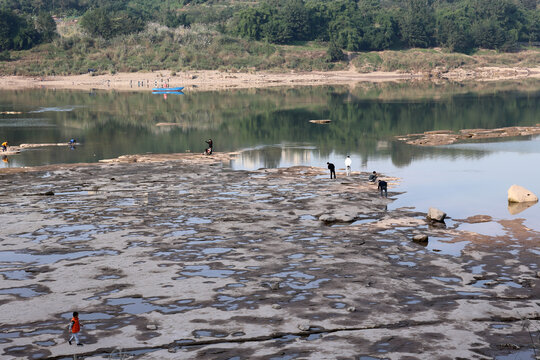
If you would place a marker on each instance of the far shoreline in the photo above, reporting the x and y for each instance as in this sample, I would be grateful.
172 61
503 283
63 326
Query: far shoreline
213 80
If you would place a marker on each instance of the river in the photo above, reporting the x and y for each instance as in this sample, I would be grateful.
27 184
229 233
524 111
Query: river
271 128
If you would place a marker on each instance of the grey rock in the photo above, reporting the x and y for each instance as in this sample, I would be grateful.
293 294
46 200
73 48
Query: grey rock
351 309
436 214
538 274
327 218
276 306
304 327
420 238
151 327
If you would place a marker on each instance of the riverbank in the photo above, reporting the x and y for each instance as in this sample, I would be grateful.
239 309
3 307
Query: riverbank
177 256
207 80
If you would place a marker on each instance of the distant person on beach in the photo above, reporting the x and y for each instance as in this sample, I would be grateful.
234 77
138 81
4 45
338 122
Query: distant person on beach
373 177
208 151
383 186
74 328
348 163
72 143
332 169
4 146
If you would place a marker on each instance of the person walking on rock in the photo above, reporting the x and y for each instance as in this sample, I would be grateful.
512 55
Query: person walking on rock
332 169
348 163
74 328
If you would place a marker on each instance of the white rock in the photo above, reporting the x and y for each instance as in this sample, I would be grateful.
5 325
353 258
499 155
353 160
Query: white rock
351 309
276 306
436 214
519 194
304 327
151 327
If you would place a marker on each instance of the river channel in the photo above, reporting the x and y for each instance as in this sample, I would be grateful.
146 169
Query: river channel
271 128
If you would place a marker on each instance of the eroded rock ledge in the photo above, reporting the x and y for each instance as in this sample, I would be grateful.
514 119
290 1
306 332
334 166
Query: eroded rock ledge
179 257
446 137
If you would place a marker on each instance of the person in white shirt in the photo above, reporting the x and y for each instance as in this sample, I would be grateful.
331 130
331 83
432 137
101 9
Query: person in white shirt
348 163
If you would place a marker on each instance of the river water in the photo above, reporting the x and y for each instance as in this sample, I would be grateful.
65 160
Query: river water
271 128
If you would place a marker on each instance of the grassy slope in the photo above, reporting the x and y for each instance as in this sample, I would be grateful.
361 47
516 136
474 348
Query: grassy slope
201 48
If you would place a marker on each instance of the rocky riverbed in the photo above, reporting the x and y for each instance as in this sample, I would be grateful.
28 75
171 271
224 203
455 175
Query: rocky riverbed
179 257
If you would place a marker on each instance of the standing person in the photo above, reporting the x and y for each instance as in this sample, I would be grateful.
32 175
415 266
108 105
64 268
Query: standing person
332 169
74 328
4 146
348 163
208 151
383 186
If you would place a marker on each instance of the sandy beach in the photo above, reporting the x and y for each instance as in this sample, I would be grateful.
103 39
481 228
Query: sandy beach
215 80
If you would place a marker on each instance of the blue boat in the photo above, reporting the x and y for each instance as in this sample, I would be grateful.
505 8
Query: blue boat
168 89
168 92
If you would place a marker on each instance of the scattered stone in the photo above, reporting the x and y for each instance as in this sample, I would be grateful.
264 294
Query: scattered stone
538 274
304 327
519 194
421 238
351 309
436 215
324 121
276 306
172 350
275 286
151 327
327 218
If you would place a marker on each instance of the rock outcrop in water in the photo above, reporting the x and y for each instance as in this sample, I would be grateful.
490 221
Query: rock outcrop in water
518 194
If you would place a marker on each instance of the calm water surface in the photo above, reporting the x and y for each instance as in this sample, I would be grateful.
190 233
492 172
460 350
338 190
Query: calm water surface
271 127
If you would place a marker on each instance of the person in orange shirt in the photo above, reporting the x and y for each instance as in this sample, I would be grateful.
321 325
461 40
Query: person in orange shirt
74 328
4 146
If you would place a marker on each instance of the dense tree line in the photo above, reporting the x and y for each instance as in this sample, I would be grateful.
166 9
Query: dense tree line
18 32
353 25
356 25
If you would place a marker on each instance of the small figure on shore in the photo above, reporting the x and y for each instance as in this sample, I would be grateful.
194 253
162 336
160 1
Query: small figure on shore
332 169
74 328
4 146
72 143
383 186
208 151
373 176
348 163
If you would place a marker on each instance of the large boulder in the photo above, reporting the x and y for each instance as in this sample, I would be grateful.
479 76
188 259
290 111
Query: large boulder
436 215
519 194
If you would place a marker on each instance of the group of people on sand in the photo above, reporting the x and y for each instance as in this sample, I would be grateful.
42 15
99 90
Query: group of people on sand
382 185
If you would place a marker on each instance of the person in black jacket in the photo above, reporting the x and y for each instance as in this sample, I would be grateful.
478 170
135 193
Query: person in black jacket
383 186
332 169
208 151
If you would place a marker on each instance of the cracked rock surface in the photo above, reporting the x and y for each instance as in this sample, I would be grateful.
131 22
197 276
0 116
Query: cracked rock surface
179 257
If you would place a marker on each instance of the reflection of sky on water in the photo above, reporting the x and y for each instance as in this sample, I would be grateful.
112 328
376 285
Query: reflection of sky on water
471 181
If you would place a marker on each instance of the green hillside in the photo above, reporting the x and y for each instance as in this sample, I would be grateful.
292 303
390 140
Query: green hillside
73 36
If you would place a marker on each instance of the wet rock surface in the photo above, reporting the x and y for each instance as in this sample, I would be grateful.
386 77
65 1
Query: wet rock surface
179 257
446 137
